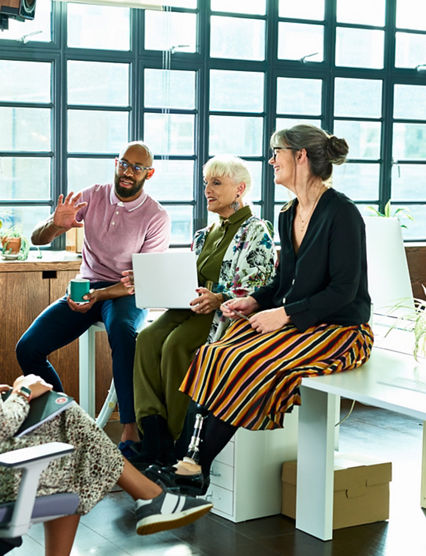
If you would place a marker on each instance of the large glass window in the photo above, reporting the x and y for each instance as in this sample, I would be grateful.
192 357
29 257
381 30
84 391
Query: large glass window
98 27
359 48
362 12
170 31
409 152
308 9
229 38
236 91
298 41
202 78
299 96
169 89
239 6
358 111
98 83
169 123
411 14
25 138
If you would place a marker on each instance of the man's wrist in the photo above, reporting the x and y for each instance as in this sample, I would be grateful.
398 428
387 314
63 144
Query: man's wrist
57 228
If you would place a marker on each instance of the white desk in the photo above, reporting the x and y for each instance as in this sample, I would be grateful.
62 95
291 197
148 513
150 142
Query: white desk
389 380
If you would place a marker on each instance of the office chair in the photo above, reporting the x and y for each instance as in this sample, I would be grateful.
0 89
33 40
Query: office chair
17 517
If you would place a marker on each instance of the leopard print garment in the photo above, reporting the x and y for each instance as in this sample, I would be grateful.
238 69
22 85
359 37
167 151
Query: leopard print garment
90 471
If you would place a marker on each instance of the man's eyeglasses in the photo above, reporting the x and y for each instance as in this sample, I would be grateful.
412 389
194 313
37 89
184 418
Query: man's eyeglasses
275 151
136 169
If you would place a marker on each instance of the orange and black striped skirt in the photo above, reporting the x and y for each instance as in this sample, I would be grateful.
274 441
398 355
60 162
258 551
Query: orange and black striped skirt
251 380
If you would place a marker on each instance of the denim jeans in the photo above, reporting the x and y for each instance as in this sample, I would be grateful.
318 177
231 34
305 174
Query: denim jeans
58 325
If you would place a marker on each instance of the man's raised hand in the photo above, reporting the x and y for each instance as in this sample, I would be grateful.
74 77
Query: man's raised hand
66 211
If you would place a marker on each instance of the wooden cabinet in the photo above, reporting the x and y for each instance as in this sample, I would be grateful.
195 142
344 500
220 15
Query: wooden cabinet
416 259
27 288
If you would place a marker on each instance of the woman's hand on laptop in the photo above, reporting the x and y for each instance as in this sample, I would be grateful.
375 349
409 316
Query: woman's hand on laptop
206 302
128 280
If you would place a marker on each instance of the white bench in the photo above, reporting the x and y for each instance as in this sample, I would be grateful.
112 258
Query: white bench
389 380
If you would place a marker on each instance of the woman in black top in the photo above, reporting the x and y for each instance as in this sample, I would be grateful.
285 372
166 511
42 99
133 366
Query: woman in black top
311 320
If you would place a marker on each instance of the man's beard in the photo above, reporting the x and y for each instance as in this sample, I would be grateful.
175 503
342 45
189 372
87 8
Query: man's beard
127 192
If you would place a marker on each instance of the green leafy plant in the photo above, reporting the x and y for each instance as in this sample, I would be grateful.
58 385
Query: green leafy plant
387 213
10 233
417 317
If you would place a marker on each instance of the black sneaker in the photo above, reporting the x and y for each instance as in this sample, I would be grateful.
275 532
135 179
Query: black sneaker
166 476
168 511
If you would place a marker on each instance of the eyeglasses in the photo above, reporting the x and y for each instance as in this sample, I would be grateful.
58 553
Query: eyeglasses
136 169
276 149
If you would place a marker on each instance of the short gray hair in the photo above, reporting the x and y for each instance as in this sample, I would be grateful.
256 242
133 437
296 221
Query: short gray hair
230 166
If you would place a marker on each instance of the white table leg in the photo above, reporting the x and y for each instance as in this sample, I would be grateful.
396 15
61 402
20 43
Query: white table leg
423 493
337 418
315 464
87 371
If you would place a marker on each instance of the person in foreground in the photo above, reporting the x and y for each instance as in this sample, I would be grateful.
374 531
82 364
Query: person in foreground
235 256
91 470
119 219
311 320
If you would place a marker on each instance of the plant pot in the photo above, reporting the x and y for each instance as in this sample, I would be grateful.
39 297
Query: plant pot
11 245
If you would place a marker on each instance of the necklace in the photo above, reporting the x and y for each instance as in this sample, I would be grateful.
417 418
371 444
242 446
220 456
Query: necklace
304 220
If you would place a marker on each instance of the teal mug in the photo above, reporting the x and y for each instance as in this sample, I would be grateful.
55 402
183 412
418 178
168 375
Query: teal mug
77 288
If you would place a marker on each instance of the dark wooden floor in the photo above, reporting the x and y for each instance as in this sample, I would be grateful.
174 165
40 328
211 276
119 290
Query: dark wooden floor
109 528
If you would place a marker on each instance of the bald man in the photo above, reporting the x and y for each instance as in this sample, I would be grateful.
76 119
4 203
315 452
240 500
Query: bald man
119 219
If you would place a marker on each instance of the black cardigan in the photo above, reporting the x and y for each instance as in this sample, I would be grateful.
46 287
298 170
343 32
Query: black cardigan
326 281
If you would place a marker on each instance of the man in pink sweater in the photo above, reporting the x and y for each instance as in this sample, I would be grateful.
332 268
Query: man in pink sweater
119 219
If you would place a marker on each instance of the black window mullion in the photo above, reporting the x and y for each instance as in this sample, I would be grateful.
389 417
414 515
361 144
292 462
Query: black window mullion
327 101
385 192
270 107
136 76
59 184
202 118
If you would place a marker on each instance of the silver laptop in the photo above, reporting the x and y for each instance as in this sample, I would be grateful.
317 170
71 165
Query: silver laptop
165 280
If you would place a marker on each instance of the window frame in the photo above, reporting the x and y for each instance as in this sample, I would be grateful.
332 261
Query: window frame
58 54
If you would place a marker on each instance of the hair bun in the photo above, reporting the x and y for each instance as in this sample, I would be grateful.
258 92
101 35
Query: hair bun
336 150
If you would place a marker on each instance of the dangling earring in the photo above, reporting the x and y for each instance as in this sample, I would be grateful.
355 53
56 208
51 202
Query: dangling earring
235 205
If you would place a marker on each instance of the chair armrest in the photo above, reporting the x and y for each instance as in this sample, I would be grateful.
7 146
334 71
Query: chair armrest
24 456
33 461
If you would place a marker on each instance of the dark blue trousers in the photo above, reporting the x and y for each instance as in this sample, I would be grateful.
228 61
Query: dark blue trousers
58 325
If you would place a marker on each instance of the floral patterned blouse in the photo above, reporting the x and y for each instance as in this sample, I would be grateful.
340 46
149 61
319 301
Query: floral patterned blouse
248 264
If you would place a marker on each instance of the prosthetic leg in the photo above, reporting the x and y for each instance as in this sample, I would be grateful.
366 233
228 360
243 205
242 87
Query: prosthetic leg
193 453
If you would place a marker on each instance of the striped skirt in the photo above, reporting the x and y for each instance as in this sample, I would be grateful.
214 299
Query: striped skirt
251 380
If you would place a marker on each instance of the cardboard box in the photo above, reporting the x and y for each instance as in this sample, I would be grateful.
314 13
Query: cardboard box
361 490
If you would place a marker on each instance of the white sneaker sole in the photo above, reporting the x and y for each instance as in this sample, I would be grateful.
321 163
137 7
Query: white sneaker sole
159 522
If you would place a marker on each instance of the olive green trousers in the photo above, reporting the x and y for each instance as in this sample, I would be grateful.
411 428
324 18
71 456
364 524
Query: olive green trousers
164 351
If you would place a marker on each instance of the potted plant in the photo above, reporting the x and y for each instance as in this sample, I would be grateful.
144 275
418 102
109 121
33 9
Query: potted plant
420 327
14 244
397 213
415 314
